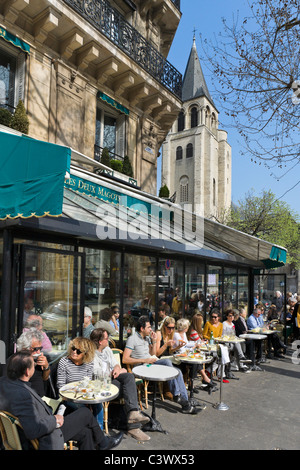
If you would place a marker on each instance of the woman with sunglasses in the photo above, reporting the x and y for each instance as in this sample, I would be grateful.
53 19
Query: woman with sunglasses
165 338
77 364
235 348
214 326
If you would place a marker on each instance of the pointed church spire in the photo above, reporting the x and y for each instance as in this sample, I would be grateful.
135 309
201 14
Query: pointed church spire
194 84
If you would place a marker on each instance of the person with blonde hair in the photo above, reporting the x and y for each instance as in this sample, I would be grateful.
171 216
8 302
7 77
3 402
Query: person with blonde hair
165 337
182 341
180 338
77 364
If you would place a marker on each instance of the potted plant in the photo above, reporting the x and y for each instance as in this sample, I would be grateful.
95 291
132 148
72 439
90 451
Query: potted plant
164 192
20 121
5 117
127 168
117 165
105 159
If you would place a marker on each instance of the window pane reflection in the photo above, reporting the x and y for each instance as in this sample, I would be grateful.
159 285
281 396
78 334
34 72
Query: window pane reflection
139 288
171 286
194 289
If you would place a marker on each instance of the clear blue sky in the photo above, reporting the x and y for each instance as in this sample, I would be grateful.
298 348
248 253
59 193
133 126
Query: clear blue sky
206 17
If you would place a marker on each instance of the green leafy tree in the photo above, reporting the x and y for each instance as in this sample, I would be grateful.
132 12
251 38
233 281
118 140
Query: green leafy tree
270 219
20 121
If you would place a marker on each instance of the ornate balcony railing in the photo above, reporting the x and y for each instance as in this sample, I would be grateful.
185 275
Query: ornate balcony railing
177 4
114 26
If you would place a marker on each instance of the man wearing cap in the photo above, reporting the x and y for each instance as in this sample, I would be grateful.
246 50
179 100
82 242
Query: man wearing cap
88 327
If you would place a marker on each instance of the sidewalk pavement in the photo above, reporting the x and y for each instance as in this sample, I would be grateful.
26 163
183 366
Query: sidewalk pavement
263 414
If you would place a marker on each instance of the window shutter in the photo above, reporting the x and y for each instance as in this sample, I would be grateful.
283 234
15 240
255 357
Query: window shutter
20 79
121 136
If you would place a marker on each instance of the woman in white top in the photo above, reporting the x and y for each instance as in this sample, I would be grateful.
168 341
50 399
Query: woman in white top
181 341
229 330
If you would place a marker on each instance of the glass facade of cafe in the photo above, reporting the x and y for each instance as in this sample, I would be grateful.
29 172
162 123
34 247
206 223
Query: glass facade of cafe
57 279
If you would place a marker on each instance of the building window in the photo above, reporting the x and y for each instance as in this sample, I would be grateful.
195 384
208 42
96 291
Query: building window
184 189
12 76
179 153
189 151
194 117
110 132
181 121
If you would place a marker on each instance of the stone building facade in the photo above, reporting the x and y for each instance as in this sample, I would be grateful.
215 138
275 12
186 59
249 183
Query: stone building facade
196 157
95 75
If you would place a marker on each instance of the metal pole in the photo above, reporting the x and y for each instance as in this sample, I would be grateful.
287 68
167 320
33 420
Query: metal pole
221 406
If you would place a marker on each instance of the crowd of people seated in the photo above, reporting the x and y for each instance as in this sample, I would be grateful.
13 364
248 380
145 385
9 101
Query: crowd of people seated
146 344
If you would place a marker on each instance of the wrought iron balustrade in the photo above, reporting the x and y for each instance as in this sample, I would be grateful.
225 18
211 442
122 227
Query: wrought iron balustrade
113 25
112 155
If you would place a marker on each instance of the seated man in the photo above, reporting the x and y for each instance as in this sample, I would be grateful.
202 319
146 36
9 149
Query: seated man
36 417
105 360
256 321
31 340
140 349
106 315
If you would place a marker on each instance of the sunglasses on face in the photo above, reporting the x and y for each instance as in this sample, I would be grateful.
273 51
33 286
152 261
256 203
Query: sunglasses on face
171 327
214 317
38 348
77 350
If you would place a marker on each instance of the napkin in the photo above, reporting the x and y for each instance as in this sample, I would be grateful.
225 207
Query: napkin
224 354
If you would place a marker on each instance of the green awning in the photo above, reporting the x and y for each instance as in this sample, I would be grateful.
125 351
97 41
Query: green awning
32 176
276 259
14 40
112 102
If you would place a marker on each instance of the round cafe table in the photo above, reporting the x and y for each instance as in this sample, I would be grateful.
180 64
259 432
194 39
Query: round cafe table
69 392
190 361
155 373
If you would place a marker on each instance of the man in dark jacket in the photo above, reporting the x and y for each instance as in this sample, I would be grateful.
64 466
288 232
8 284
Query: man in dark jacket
36 417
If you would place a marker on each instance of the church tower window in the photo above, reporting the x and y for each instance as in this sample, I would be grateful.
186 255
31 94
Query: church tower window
189 151
181 122
179 153
184 189
194 117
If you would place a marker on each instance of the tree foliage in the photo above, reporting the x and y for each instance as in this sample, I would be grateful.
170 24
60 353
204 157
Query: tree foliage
268 218
256 60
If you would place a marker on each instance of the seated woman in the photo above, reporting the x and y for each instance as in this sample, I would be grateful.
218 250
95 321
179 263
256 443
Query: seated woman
194 332
179 342
235 348
214 326
77 364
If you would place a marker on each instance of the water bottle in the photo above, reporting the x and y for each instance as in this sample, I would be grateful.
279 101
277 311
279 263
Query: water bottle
211 340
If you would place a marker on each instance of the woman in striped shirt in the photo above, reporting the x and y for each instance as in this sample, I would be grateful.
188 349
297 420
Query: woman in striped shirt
78 363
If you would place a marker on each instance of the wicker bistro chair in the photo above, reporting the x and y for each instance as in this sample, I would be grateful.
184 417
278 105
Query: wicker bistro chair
9 432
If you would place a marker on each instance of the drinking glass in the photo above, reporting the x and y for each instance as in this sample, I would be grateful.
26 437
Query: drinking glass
97 382
107 381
